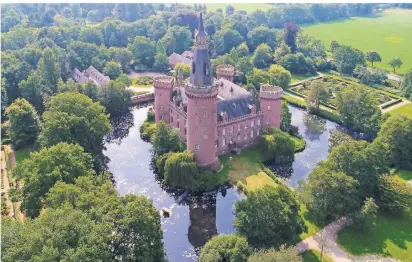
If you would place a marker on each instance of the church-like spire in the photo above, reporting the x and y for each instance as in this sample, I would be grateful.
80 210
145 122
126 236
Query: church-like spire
201 75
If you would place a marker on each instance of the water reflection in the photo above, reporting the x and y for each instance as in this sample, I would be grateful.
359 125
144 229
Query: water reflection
315 127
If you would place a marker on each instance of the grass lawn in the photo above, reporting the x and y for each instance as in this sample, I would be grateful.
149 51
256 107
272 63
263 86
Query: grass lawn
238 6
404 174
392 236
22 154
143 86
312 255
404 110
243 165
299 77
257 181
312 228
388 34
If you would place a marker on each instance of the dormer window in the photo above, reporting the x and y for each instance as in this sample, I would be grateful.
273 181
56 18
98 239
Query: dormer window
193 68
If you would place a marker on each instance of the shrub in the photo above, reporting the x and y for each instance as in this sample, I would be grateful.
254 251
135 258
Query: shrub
144 80
147 130
150 116
277 146
366 217
395 195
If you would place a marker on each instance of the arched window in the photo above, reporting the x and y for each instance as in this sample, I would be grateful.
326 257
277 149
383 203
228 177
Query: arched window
193 68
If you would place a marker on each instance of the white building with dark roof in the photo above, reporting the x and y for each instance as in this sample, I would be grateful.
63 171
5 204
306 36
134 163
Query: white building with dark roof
90 74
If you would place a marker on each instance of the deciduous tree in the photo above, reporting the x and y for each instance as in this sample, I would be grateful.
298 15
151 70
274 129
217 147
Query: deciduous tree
279 76
317 94
395 63
262 57
373 56
289 254
231 248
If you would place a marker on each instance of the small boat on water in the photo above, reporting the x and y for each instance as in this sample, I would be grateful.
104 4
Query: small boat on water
166 212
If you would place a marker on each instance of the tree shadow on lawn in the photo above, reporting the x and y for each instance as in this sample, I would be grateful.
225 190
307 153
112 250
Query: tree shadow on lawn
389 229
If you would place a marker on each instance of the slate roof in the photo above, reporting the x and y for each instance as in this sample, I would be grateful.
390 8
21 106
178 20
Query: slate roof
176 58
234 107
78 76
229 90
91 74
188 54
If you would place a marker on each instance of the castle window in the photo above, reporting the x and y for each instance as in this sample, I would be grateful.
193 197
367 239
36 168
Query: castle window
196 103
245 126
258 122
238 136
257 132
269 108
231 129
161 117
238 127
224 131
206 69
231 140
217 142
268 121
177 116
178 124
197 147
185 130
251 133
171 119
161 107
193 68
224 141
197 128
205 114
252 124
245 136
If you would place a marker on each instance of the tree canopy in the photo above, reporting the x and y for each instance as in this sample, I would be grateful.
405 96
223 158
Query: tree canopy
231 248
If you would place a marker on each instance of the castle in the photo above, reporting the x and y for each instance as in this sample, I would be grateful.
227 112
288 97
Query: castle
214 116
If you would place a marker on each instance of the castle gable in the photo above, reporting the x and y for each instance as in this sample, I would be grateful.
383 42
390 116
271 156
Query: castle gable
234 107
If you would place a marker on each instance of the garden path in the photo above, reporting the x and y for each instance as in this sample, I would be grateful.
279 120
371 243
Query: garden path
6 183
328 236
404 102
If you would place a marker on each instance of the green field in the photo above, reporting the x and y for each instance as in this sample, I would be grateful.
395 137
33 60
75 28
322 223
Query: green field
388 34
238 6
392 236
403 110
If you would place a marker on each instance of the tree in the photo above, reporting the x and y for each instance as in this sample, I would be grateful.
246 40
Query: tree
115 97
261 34
24 124
181 170
346 58
365 219
183 38
289 254
186 69
242 49
244 65
135 229
285 117
282 51
61 162
276 146
123 56
166 139
406 85
363 161
269 216
262 57
49 70
333 45
395 63
161 59
396 135
74 118
279 76
370 76
13 71
230 248
373 56
233 55
317 94
113 70
65 234
395 195
290 33
258 77
298 63
124 80
358 109
34 90
225 39
143 50
329 194
91 35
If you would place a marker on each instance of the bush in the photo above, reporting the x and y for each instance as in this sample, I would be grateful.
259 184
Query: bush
150 116
277 146
395 195
366 217
144 80
147 130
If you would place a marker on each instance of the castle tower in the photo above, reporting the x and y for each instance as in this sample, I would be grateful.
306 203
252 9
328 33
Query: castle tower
270 101
163 88
201 95
225 71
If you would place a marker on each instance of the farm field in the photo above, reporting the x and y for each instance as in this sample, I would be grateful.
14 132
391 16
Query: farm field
388 34
238 6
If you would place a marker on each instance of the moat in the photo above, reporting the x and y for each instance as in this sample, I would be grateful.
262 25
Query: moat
197 218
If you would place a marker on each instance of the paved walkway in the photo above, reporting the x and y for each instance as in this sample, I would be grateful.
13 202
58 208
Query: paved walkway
328 236
404 102
6 183
394 77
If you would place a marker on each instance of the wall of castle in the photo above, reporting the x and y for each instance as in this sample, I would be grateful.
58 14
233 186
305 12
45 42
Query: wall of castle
271 112
142 98
178 119
240 132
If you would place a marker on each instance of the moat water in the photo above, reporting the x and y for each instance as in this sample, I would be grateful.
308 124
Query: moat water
198 218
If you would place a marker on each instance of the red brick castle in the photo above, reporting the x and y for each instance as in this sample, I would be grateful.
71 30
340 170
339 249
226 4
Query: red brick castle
212 115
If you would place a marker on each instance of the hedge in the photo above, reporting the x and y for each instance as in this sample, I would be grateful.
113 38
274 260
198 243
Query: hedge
397 101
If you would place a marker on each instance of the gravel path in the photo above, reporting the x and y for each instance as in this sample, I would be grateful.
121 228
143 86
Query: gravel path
328 236
404 102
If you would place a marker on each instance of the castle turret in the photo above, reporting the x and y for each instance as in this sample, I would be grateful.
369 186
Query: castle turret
163 88
201 95
270 101
225 71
